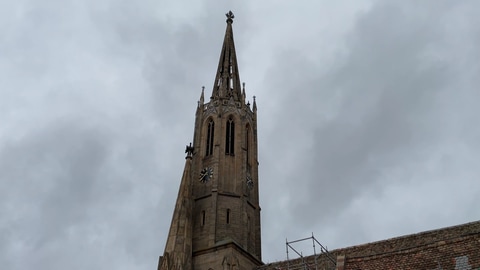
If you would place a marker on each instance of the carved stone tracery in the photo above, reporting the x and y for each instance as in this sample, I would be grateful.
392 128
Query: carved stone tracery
230 262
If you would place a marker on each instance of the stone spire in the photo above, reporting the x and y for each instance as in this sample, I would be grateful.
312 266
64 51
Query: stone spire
178 250
216 223
227 80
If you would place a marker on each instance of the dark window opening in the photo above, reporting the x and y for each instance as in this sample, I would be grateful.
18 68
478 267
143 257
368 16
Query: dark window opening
210 130
247 143
228 216
229 142
203 218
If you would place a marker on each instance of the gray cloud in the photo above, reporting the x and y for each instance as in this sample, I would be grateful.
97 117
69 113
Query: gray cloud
385 113
367 121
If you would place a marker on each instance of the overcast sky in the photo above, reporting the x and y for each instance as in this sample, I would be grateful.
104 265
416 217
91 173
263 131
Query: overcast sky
368 121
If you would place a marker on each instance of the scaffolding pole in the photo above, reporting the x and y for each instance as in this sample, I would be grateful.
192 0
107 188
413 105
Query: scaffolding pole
304 261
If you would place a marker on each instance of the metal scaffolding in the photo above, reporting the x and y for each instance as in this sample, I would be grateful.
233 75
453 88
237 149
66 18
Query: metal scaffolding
323 261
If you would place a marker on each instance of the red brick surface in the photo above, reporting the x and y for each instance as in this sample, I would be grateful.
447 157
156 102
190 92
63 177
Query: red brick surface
456 247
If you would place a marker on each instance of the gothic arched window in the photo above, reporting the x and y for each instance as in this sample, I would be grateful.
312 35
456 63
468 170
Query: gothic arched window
230 138
210 130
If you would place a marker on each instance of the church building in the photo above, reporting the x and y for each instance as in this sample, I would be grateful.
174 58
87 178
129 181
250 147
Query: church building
216 221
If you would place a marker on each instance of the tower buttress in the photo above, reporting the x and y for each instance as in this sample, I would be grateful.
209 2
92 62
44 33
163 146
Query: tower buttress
178 249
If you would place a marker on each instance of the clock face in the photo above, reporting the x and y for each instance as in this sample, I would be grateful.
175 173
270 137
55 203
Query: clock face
206 174
249 182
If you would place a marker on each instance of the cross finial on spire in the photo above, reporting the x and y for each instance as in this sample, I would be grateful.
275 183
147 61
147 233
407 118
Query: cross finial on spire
230 16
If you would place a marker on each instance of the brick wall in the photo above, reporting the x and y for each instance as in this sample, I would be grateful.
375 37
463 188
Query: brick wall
456 247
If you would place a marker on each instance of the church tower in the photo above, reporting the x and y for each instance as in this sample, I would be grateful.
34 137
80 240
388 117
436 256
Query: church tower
216 221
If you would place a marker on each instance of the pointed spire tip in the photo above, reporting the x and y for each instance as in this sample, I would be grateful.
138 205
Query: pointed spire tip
227 81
